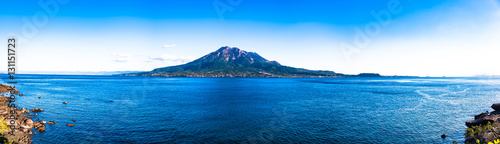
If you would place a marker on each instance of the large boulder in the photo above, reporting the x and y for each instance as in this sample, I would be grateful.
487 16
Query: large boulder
37 110
41 129
496 106
3 112
29 122
40 126
480 116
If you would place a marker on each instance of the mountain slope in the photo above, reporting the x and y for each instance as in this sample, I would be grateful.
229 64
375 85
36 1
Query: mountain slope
233 62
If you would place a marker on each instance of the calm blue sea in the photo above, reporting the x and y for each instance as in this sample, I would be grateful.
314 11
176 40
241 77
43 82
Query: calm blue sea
112 109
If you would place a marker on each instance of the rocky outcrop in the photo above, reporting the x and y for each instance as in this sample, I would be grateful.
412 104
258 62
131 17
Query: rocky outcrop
24 120
37 110
444 136
496 106
478 122
24 110
483 119
484 128
3 112
40 126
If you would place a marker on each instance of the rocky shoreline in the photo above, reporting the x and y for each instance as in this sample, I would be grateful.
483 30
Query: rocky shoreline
24 126
484 128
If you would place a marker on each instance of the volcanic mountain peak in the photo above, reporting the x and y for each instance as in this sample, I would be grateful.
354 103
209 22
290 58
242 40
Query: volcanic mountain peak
234 54
233 62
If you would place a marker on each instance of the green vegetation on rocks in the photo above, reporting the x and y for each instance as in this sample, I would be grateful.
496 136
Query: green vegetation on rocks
484 129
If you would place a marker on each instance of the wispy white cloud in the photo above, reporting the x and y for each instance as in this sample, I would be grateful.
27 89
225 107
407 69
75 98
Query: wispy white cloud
121 57
172 58
169 46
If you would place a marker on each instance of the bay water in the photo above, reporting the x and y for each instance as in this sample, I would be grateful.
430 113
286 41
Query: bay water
117 109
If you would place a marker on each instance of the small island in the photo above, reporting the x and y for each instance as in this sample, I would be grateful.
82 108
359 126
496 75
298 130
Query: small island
233 62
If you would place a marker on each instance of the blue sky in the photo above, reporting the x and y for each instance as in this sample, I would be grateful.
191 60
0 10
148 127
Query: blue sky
424 38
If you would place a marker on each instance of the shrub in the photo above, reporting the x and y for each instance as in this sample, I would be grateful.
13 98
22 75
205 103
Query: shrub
3 126
487 127
470 132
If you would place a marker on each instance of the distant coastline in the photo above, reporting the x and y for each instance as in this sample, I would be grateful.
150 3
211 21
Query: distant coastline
262 76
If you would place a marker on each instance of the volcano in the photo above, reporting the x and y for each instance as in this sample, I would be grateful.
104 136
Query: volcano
234 62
